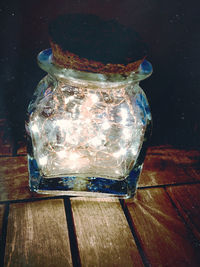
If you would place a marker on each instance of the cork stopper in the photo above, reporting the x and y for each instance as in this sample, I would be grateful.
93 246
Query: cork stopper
87 43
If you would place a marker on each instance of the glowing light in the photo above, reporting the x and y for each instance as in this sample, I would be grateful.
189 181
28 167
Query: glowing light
134 151
35 128
120 153
94 98
127 133
82 133
62 154
62 123
106 125
74 166
73 156
88 120
124 115
43 160
95 141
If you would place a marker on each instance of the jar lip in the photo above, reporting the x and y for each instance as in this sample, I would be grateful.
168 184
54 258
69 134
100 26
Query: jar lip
45 61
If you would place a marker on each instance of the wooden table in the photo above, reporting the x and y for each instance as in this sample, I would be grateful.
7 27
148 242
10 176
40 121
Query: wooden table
159 227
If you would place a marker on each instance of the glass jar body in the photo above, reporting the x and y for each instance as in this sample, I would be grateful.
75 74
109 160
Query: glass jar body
87 140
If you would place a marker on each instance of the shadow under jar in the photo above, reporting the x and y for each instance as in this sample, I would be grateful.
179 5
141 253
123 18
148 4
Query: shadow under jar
87 132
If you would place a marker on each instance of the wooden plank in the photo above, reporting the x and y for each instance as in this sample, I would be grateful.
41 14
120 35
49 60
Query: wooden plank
2 209
37 235
3 224
161 232
14 179
6 143
166 165
187 200
103 235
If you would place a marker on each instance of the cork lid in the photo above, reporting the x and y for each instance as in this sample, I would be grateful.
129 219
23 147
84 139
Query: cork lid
88 43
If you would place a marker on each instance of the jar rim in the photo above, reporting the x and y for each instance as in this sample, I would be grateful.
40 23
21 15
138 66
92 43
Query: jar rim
45 61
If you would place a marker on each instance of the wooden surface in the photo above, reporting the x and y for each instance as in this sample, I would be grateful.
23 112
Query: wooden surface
159 227
161 232
103 234
2 210
37 235
166 165
187 200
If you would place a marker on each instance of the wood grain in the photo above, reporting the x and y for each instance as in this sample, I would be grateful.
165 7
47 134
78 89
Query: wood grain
5 139
37 235
14 179
161 232
187 200
166 165
103 235
2 209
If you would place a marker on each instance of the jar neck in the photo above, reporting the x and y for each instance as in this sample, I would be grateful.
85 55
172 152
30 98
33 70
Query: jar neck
88 79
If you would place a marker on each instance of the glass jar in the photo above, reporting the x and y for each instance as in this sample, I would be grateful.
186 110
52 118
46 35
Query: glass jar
87 132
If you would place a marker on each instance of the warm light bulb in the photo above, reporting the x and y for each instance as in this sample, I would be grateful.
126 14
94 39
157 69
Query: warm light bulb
95 141
106 125
43 160
94 98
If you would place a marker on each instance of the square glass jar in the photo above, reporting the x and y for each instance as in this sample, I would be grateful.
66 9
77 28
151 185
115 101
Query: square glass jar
87 132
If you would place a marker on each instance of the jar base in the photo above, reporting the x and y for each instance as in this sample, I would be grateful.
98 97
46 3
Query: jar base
82 186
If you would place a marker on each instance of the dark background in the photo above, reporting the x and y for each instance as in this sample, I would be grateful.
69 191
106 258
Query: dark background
171 29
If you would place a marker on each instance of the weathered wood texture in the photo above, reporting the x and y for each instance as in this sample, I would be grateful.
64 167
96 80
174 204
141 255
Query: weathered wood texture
166 165
3 222
187 200
2 209
161 232
37 235
14 179
5 139
103 235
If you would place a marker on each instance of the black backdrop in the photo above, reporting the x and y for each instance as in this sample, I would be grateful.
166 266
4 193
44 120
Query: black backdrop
171 29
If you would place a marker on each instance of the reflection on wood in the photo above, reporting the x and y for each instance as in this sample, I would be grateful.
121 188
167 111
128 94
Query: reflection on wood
187 200
37 235
103 234
166 165
21 148
161 232
14 179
